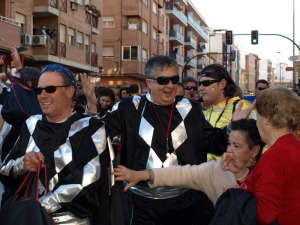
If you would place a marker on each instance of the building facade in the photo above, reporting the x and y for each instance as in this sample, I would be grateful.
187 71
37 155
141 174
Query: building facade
55 31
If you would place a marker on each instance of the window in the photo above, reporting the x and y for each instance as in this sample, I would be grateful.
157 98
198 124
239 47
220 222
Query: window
71 36
108 22
133 23
22 20
80 2
87 43
108 52
62 33
131 52
93 47
145 2
144 55
145 27
154 7
154 33
79 40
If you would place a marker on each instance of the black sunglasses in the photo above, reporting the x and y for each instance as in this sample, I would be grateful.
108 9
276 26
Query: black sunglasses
206 83
190 88
166 80
261 88
48 89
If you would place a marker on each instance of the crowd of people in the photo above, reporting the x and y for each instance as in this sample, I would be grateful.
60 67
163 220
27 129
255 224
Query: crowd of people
176 146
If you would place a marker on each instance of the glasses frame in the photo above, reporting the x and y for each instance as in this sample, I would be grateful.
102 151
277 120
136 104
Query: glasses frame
165 80
207 83
189 88
49 89
261 88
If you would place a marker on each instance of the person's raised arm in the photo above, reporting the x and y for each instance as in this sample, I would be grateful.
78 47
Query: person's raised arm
89 91
240 113
16 58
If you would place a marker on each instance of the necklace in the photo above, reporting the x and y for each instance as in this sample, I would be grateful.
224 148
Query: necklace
166 132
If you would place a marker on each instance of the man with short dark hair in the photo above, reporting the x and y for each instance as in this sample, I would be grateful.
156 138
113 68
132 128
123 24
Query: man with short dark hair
190 86
261 85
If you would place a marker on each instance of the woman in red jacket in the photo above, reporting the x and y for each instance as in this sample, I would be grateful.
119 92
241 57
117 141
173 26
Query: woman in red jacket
275 180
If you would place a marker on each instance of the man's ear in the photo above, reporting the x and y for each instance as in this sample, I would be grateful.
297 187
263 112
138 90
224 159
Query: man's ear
222 84
149 82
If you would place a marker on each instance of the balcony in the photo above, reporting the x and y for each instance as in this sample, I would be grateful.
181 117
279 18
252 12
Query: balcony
173 11
131 8
195 26
190 63
46 8
178 58
190 42
176 38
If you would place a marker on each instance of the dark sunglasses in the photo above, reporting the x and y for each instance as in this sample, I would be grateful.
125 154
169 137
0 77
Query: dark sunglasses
206 83
261 88
48 89
190 88
166 80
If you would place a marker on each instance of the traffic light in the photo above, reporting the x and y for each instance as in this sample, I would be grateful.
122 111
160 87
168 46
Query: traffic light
254 37
228 37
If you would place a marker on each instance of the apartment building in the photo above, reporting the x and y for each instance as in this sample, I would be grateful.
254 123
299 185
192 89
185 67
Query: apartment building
135 30
54 31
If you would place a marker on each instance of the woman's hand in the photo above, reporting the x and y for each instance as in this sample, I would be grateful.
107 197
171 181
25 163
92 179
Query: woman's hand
89 91
31 160
236 166
131 176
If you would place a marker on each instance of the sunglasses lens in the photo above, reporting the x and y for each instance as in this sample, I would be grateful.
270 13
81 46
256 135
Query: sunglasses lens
50 89
166 80
190 88
261 88
206 83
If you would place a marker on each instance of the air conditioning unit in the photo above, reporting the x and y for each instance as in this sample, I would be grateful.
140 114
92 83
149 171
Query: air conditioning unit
74 6
26 39
39 40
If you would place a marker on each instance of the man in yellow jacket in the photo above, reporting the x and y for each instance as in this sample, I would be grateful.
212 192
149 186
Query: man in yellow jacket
218 88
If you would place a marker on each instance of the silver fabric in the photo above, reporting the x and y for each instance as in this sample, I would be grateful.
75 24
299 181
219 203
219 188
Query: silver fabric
62 157
91 171
18 164
67 218
157 193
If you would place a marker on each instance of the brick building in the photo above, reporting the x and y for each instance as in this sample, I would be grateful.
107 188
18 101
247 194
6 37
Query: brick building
55 31
135 30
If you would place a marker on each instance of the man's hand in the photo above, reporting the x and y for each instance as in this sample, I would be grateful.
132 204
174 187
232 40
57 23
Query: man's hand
16 58
240 113
89 91
31 160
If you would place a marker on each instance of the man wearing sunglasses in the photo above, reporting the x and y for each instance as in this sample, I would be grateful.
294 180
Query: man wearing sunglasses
71 146
261 85
162 130
190 87
218 89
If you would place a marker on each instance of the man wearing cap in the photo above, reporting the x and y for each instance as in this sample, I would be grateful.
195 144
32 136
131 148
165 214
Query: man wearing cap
71 146
218 88
162 130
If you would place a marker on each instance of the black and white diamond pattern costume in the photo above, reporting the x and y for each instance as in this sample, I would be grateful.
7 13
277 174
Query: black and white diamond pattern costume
76 157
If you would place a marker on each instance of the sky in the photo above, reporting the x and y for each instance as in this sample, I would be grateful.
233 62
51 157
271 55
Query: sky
266 16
